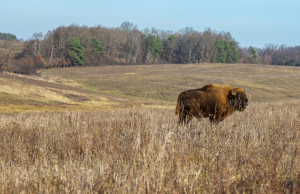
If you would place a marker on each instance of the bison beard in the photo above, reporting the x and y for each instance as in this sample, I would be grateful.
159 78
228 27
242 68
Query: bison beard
213 101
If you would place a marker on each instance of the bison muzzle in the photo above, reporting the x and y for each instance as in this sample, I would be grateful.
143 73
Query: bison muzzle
213 101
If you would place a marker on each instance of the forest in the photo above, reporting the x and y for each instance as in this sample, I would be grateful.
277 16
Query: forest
76 45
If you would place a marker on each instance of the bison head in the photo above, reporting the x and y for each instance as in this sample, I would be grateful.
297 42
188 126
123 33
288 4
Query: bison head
238 99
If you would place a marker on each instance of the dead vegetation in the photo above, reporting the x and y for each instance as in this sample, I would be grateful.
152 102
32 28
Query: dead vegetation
53 139
135 86
19 93
145 151
161 84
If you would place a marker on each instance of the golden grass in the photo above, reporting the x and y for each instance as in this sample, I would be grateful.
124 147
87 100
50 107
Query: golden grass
14 46
20 93
52 139
135 86
145 151
161 84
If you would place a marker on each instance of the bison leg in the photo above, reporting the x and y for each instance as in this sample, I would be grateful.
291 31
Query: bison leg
182 118
218 117
189 117
212 119
185 116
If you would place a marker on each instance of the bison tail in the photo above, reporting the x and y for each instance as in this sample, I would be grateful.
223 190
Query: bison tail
177 108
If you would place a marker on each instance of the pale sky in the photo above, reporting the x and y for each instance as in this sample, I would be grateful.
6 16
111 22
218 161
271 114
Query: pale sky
251 22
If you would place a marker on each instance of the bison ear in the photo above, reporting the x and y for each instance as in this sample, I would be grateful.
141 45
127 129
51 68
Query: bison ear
231 94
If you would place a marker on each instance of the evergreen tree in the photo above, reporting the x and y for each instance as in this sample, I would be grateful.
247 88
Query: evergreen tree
169 47
253 55
227 51
97 46
76 52
158 49
232 52
153 45
150 43
7 36
222 55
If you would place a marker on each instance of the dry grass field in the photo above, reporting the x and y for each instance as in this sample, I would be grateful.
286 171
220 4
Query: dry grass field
19 93
113 87
161 84
113 130
14 46
145 151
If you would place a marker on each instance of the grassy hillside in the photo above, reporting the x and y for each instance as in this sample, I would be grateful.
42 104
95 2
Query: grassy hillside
163 83
13 46
20 93
110 87
54 139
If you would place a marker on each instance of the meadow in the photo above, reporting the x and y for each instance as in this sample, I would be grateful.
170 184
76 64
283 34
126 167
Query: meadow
112 129
154 84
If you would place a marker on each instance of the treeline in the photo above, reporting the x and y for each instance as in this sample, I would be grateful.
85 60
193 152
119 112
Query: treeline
128 45
76 45
81 45
8 36
280 55
272 55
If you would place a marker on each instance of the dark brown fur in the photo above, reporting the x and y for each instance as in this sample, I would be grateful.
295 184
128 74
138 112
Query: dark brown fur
213 101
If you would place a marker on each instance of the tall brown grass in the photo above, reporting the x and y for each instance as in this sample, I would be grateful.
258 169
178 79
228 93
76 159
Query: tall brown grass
145 151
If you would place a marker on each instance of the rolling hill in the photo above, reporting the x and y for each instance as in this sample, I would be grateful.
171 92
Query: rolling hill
110 87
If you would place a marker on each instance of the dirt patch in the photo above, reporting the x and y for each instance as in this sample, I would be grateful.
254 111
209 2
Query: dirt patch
77 98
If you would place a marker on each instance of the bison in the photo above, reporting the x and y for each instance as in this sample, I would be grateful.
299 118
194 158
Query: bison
213 101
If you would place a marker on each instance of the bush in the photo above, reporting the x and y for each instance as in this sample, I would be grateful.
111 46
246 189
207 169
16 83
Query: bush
25 65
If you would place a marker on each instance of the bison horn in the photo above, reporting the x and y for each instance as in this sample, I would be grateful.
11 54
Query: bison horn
232 93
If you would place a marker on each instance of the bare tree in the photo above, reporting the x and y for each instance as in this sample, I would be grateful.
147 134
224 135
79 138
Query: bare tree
37 38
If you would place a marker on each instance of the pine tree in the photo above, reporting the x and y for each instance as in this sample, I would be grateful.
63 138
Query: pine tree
232 52
168 47
76 52
253 55
97 46
221 46
153 45
227 51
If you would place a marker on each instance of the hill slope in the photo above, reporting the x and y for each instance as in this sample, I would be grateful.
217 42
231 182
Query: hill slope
263 83
29 93
107 87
